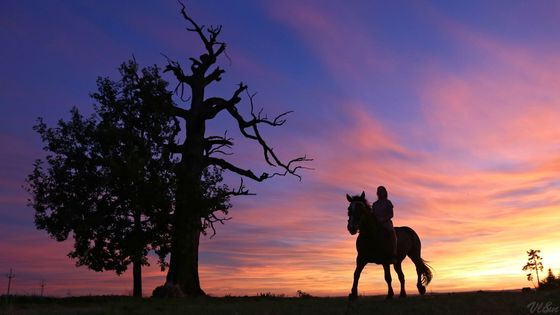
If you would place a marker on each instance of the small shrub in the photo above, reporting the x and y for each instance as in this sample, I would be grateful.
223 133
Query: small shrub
303 295
168 291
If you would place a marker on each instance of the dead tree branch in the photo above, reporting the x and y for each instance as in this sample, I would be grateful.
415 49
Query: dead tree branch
217 144
214 105
250 130
210 41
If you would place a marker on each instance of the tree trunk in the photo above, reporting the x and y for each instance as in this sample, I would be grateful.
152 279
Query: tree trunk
187 226
137 260
137 278
183 266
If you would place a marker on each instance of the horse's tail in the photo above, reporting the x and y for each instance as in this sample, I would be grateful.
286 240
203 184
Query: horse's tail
425 271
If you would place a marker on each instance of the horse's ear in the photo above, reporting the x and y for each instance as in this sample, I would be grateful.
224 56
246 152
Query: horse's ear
348 198
363 195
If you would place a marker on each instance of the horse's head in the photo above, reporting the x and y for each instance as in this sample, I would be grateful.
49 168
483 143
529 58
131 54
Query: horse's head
357 211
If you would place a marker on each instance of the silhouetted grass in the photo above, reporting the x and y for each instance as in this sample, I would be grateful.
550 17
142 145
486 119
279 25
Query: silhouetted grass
454 303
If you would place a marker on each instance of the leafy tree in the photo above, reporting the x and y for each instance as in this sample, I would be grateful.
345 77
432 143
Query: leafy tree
534 263
199 151
110 181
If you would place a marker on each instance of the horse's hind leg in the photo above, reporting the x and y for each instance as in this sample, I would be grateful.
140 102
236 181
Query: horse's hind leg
420 269
419 285
359 267
398 269
387 269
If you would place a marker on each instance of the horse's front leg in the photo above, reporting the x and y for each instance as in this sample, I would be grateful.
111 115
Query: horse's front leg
360 264
387 269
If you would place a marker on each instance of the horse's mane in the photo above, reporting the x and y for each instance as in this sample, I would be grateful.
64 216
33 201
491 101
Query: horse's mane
366 201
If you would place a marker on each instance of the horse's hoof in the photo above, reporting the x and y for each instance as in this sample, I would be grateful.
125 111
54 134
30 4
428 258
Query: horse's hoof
388 297
422 290
352 297
402 296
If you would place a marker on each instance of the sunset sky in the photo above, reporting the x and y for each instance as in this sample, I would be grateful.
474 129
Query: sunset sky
455 108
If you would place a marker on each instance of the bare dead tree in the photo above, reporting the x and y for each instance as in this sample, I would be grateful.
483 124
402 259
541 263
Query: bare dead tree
199 151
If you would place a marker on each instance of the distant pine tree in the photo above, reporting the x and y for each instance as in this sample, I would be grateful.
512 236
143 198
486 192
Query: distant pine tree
534 263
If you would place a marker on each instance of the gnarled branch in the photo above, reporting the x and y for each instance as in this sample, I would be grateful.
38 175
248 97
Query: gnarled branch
216 75
216 144
196 28
210 217
250 130
182 79
230 167
209 220
175 67
180 112
214 105
240 191
209 41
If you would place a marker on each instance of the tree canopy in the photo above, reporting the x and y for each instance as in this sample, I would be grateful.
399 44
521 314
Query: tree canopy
109 179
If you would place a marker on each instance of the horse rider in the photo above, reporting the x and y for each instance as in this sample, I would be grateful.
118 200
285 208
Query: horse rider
383 212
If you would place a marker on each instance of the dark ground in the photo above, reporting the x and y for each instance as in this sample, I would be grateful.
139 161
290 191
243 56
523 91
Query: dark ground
493 303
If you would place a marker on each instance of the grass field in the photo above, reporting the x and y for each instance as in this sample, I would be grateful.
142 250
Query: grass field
493 303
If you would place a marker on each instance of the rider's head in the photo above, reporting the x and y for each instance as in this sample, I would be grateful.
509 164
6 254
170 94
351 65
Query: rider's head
382 193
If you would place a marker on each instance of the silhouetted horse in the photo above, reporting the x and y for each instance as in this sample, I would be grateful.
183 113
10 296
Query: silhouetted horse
373 246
